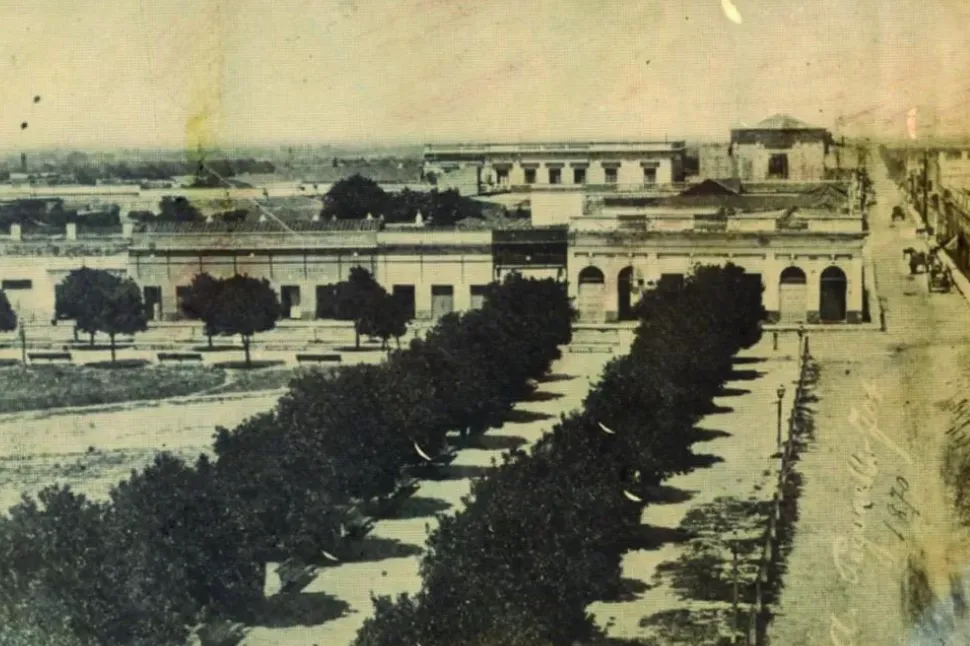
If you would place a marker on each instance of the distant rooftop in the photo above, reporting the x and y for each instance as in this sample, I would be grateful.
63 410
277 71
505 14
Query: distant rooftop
553 147
782 122
269 226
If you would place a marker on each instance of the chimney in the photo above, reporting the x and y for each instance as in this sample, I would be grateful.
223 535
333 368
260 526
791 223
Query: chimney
15 232
71 231
127 229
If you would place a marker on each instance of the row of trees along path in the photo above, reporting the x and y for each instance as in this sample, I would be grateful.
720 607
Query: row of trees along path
179 546
542 536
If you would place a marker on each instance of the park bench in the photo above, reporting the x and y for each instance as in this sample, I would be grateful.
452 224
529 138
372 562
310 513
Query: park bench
49 356
317 358
179 357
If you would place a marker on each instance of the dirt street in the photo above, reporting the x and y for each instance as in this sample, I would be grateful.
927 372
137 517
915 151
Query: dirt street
873 504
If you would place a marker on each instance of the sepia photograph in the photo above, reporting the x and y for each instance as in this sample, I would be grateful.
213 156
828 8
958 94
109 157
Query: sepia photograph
484 323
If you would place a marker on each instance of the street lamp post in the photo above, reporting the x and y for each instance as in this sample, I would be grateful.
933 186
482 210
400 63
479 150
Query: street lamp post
23 342
781 396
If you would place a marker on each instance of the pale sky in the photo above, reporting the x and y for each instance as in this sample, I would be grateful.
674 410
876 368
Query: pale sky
173 73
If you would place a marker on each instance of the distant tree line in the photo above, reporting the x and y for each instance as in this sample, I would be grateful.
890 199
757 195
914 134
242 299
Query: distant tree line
356 197
88 173
40 214
177 544
542 536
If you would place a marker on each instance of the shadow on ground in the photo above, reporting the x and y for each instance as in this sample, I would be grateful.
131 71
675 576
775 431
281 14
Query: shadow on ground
495 442
707 434
704 460
733 392
665 495
286 610
629 590
650 537
420 507
520 416
745 375
555 377
459 472
748 360
372 549
542 396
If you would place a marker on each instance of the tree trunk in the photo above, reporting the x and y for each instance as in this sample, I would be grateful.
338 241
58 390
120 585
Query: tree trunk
357 335
245 340
397 340
91 341
112 337
75 332
208 333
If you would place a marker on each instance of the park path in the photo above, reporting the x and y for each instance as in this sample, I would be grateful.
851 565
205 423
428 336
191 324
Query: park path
330 610
738 465
902 375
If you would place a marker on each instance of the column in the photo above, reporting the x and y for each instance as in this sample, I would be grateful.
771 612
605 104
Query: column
463 296
308 301
855 291
813 277
771 278
422 300
611 301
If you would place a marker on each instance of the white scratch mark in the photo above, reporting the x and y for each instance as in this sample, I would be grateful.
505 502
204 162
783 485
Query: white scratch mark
731 12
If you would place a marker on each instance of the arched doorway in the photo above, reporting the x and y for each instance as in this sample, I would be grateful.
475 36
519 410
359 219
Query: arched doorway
624 294
792 295
831 307
591 286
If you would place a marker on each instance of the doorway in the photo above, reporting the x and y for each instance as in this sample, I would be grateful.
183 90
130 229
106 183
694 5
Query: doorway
778 166
833 289
624 294
792 295
153 302
442 300
290 301
591 286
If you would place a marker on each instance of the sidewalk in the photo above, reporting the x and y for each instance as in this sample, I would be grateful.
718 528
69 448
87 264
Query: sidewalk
739 474
960 281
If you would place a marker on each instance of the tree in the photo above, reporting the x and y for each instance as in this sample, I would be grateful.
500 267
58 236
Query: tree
352 198
8 318
185 515
70 559
99 301
78 298
387 318
178 209
122 310
246 306
357 300
201 301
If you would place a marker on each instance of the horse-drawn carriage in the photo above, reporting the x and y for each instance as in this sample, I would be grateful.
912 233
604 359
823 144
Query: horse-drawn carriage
940 277
899 213
917 260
